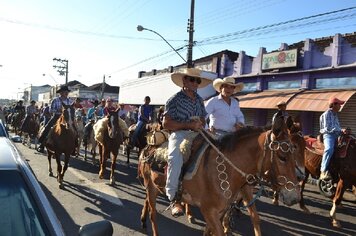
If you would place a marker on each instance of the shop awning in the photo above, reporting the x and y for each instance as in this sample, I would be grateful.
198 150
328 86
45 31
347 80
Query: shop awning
317 100
266 99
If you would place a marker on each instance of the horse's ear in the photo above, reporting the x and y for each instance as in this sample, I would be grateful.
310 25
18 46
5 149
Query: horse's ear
277 125
289 122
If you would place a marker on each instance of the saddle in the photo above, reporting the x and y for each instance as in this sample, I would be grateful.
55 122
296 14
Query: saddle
315 145
192 149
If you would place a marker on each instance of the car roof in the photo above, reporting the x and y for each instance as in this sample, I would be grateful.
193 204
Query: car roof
8 155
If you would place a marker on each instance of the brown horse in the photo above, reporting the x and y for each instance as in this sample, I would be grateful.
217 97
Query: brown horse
30 130
240 159
62 139
342 168
110 144
16 120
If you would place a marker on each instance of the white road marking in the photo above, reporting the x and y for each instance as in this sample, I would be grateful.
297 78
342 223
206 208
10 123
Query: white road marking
101 190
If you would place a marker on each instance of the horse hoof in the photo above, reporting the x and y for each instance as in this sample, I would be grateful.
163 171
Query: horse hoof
112 182
191 220
50 174
101 176
61 186
275 202
336 224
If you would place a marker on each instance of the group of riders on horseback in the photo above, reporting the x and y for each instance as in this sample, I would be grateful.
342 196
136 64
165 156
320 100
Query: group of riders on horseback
183 113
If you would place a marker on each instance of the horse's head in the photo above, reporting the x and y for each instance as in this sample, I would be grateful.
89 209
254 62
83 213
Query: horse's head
113 125
281 170
297 139
67 117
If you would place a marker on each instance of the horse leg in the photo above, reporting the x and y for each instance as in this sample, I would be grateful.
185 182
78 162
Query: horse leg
247 197
93 151
28 140
340 189
128 151
301 202
189 214
152 194
275 198
102 158
59 170
213 223
66 162
144 213
113 165
49 155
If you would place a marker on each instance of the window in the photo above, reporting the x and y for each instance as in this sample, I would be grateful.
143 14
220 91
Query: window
290 84
249 87
344 82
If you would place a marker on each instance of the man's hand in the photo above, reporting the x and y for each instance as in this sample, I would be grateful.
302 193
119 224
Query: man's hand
239 126
196 124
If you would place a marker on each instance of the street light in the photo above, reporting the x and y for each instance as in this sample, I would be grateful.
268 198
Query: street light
141 28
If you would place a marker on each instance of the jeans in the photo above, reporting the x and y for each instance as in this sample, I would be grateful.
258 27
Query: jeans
175 162
329 144
137 131
47 128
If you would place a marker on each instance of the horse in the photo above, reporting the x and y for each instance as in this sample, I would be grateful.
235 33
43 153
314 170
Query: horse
139 143
238 160
297 140
30 130
90 142
62 138
342 168
16 120
109 142
80 129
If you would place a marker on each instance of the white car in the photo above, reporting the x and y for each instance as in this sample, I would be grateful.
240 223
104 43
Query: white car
24 207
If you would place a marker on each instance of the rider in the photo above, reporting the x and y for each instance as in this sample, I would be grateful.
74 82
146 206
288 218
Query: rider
330 129
184 111
56 110
30 110
144 117
224 110
19 108
282 106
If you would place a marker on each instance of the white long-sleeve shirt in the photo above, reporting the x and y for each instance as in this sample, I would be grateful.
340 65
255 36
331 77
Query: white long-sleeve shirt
222 115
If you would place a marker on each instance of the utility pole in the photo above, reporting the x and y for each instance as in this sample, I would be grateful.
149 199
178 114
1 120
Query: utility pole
103 87
62 68
190 30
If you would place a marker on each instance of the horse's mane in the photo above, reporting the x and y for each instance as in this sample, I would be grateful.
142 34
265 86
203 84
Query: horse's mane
228 141
57 127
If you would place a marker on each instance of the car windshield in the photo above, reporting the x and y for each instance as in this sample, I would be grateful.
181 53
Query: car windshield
19 214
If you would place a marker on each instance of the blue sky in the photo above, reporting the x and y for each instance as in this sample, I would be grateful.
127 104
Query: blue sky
100 37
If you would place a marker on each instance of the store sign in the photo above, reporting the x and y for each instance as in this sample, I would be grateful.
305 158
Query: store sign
280 59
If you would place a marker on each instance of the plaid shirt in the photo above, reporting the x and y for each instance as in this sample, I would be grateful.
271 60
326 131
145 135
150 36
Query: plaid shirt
31 109
56 105
180 107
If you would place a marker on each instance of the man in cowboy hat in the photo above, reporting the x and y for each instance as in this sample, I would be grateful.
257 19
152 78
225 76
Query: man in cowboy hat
224 110
282 106
184 111
56 111
30 110
330 129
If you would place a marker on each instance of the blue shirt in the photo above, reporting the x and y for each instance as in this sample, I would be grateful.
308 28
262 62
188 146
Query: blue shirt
146 111
329 123
180 107
56 104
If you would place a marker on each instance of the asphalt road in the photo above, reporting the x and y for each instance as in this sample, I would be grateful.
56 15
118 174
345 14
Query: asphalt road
86 199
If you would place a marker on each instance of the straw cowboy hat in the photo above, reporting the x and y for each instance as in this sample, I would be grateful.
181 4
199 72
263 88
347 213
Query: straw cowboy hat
63 88
227 80
177 77
281 103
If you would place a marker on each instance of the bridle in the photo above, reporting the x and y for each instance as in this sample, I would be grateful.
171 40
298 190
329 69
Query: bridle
285 146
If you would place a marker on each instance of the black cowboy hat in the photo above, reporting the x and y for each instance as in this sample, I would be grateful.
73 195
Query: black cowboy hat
33 101
63 88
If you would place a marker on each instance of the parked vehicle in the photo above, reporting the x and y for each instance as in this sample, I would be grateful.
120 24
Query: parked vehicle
25 209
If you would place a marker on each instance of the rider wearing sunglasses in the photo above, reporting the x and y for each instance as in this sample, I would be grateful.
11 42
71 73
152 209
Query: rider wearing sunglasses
183 113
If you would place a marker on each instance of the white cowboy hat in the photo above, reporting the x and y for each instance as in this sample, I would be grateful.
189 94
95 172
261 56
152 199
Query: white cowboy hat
227 80
177 77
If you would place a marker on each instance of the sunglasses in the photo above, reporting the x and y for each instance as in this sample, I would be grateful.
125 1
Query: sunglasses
193 79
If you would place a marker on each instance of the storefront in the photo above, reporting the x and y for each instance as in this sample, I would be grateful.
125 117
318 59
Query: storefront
305 75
